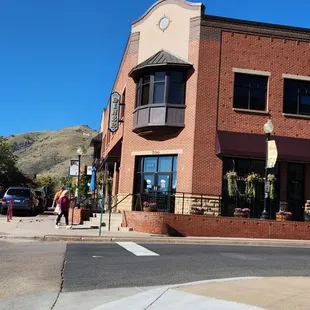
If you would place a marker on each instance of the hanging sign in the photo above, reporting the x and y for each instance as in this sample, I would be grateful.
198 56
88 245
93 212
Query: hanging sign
272 153
114 111
74 168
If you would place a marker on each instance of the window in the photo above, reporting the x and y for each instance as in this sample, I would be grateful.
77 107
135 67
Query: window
156 173
250 92
122 107
296 99
161 88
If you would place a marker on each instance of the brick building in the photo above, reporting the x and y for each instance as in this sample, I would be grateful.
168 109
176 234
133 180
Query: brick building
197 90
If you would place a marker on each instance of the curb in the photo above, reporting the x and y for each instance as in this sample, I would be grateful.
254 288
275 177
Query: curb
165 239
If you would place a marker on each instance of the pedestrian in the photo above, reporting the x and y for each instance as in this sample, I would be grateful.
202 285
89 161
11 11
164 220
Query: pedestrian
57 196
64 204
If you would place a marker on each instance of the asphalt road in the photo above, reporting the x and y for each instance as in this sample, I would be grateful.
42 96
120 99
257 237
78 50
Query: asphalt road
96 266
35 269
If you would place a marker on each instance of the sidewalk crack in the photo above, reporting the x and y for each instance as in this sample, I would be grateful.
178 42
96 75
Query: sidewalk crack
160 296
62 272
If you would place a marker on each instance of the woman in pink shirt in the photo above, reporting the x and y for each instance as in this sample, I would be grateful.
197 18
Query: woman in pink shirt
64 204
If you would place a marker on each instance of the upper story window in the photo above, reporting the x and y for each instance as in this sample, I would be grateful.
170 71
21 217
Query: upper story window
250 92
296 99
161 88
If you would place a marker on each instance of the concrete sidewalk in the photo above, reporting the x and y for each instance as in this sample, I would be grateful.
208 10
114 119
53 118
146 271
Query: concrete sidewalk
233 294
279 293
42 228
38 227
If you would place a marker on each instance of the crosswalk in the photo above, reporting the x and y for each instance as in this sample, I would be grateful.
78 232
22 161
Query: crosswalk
136 249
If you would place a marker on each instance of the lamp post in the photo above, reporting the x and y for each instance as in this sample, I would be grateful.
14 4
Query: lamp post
80 153
268 129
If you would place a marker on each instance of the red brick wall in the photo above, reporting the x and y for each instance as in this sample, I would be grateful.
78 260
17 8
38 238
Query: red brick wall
204 226
207 173
278 56
185 140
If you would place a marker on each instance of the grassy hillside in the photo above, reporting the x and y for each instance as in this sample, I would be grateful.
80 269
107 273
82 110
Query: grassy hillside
49 152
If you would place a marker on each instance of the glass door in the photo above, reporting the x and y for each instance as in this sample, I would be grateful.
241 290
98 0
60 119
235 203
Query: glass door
295 190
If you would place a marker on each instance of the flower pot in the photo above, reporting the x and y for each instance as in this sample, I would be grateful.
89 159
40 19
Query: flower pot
149 209
241 214
283 217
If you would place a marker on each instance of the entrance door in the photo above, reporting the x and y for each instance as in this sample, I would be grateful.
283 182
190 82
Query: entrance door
295 190
156 180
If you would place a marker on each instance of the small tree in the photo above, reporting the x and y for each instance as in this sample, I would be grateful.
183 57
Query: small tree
83 186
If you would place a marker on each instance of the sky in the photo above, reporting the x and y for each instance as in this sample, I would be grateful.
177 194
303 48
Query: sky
59 58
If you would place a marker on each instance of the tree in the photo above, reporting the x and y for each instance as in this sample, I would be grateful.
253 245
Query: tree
47 182
9 173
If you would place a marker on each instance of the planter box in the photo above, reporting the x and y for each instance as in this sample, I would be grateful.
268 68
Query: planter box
149 209
242 214
283 217
79 216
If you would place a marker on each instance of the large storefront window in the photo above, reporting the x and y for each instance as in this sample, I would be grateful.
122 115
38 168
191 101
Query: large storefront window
156 174
243 167
156 180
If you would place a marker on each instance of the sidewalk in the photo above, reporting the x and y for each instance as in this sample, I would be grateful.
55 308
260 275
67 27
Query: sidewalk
38 227
233 294
42 228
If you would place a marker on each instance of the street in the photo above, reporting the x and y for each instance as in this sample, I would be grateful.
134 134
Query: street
32 274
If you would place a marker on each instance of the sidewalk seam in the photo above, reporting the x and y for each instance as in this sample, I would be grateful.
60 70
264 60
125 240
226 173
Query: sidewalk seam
160 296
62 279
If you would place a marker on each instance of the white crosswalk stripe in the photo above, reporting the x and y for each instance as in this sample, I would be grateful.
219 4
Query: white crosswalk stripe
136 249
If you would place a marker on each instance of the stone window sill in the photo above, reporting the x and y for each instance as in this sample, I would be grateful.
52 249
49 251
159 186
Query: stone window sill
296 115
251 111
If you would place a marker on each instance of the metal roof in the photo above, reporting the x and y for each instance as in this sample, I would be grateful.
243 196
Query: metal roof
161 58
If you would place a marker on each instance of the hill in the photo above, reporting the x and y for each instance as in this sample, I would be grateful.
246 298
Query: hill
49 152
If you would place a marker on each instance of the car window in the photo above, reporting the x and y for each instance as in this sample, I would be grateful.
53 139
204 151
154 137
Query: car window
19 192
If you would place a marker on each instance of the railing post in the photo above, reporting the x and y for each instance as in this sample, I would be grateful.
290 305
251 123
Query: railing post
110 211
201 200
183 203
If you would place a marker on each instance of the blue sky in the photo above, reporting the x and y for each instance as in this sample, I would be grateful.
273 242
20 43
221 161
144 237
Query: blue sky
57 64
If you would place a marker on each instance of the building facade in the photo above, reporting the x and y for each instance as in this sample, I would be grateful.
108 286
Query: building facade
196 91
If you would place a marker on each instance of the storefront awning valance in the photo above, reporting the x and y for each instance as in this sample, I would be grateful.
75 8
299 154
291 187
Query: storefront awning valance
253 145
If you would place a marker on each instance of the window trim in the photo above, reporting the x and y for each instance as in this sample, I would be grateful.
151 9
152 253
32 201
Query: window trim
167 86
297 78
253 73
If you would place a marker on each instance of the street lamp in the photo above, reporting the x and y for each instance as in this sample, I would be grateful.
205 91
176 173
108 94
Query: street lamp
80 153
268 129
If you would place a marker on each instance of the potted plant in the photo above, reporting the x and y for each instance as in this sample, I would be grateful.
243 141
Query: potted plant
239 212
197 210
232 186
149 206
271 179
307 210
250 185
283 214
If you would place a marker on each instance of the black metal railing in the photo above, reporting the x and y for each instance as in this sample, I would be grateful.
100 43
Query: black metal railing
179 203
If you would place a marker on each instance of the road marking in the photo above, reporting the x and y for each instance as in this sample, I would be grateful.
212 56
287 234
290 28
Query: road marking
136 249
96 256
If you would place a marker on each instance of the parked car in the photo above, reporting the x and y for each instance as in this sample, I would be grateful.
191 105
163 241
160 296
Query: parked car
42 199
24 199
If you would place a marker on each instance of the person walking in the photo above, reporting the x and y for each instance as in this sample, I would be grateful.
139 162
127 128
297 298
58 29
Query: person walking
64 204
57 196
